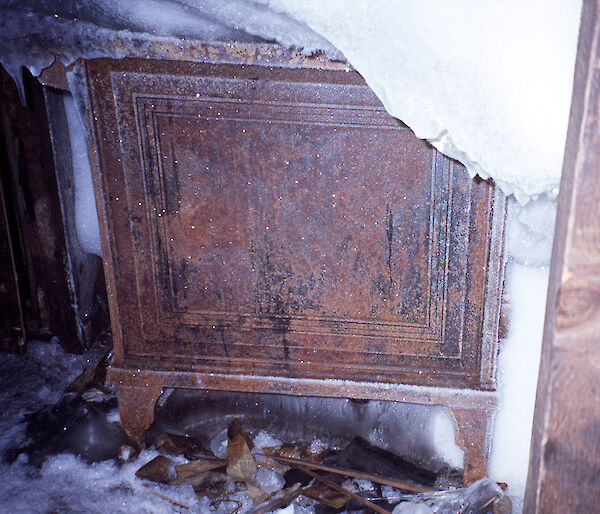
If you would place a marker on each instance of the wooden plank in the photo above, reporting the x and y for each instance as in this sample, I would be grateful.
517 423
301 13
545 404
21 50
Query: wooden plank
31 184
564 469
12 327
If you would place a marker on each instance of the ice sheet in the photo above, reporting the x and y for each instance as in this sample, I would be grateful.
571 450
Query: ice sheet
86 216
488 83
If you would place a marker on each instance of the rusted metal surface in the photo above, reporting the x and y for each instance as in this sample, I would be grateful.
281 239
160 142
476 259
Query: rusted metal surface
471 411
54 76
277 222
120 45
280 222
136 408
564 467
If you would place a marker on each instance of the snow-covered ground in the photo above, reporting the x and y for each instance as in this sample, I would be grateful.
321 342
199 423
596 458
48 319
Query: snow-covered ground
63 478
65 482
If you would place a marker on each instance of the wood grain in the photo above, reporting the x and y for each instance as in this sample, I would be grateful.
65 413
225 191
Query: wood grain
564 469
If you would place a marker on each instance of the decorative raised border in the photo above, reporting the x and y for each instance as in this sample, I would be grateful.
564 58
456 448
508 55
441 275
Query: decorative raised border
106 128
150 108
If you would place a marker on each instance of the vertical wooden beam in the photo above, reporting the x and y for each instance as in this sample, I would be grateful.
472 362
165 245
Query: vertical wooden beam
12 325
32 187
564 467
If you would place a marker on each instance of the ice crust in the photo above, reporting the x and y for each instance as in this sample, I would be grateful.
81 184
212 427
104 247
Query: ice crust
486 83
30 383
86 216
66 484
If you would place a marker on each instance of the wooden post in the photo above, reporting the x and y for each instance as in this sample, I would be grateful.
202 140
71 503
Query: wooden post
564 467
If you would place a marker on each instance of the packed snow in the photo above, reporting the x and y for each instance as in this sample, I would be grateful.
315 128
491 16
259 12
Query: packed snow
518 372
486 83
65 481
86 216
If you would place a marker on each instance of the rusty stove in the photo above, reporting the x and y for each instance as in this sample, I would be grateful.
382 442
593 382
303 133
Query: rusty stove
267 226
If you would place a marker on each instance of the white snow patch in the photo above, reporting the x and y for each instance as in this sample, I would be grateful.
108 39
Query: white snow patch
444 439
412 508
86 216
518 373
113 416
487 83
530 231
65 483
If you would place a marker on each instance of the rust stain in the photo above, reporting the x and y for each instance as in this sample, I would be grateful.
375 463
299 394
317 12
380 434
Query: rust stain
277 221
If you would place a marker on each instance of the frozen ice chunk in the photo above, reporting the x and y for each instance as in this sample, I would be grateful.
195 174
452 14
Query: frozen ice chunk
471 499
412 508
218 444
265 440
268 480
530 230
86 216
317 446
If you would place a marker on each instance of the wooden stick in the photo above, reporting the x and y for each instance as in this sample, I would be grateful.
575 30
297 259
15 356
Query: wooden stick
166 498
413 488
270 504
342 490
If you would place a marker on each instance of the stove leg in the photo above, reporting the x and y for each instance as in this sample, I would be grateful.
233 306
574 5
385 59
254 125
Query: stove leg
136 408
473 437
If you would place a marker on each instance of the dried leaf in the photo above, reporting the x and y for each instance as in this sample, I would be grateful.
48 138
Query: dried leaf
256 493
268 462
175 444
156 470
278 500
95 372
241 464
210 483
235 428
291 451
195 467
326 495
